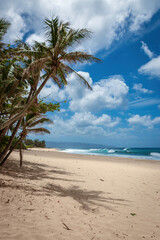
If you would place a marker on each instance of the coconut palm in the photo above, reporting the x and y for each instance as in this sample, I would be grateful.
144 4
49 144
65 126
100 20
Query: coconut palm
28 125
53 58
12 92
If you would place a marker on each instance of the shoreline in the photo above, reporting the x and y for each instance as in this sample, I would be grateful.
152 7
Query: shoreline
63 196
92 156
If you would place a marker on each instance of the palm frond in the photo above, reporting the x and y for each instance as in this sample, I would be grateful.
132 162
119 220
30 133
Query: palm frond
51 30
30 53
74 57
73 37
39 130
56 80
70 70
61 73
22 45
35 67
56 31
4 25
33 122
42 49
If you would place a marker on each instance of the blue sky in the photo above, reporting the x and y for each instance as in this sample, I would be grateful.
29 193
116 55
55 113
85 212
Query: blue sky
123 109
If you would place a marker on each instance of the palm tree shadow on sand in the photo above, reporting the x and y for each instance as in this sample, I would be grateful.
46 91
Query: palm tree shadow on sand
88 199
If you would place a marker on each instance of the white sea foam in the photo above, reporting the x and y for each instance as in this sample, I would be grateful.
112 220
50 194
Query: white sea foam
111 151
78 151
155 154
125 149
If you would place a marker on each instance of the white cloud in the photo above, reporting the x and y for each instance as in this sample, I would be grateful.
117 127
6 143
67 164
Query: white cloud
51 92
144 120
108 19
18 26
106 94
146 50
34 37
83 124
144 102
152 68
139 87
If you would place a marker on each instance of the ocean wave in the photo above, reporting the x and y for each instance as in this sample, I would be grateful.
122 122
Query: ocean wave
125 149
111 151
70 150
130 153
155 154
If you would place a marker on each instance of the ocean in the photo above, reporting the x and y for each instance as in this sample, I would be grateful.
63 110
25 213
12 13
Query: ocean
95 149
140 153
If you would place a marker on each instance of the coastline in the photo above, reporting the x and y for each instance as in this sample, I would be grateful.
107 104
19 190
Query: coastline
96 197
91 157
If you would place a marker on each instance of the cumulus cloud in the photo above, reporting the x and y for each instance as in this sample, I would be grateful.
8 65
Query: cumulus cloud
144 120
18 26
152 68
146 50
34 37
108 19
108 93
51 92
138 87
84 124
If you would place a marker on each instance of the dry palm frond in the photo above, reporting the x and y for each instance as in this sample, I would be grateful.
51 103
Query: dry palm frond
74 57
33 121
34 68
38 130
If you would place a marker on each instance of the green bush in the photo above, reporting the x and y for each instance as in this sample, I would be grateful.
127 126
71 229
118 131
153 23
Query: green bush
5 141
34 143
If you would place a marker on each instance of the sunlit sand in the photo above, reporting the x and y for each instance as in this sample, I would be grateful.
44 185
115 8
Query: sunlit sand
65 196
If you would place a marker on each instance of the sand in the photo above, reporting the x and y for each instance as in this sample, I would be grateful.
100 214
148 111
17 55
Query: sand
59 196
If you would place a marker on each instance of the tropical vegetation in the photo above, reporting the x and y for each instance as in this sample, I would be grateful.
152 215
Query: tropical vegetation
24 71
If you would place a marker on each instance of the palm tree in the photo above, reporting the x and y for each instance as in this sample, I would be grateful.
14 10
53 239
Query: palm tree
29 123
52 57
12 92
28 126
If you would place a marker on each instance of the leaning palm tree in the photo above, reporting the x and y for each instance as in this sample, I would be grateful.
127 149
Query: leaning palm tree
12 92
28 125
54 58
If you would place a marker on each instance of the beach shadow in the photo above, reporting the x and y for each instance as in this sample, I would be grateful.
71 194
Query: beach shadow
35 171
89 200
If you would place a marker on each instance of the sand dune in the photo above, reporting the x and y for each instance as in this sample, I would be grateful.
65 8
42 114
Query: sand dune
65 196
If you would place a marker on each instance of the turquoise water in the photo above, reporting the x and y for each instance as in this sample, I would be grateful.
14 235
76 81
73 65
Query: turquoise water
140 153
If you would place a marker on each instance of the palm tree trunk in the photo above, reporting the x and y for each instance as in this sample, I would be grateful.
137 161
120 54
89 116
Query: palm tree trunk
3 154
2 133
23 112
20 153
11 150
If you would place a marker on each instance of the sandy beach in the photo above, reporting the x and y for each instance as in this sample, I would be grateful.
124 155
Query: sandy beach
57 196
